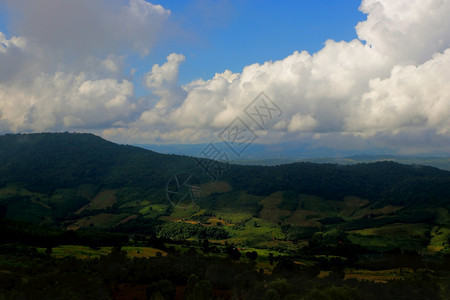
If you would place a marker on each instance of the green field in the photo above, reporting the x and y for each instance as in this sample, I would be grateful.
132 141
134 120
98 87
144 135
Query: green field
101 221
84 252
388 237
152 211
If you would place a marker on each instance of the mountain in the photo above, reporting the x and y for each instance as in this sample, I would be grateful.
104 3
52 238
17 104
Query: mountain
75 206
48 161
68 178
289 152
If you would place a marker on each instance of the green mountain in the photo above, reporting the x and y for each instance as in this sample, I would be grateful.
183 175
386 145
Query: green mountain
437 162
80 180
77 208
48 161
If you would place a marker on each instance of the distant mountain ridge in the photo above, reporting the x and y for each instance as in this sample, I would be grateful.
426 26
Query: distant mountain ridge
264 155
65 171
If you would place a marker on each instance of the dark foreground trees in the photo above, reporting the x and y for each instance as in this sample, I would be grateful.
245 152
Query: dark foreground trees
26 274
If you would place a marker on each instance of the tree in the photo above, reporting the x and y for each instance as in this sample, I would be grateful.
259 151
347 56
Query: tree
191 282
233 252
198 289
205 246
252 255
272 294
332 292
202 291
163 289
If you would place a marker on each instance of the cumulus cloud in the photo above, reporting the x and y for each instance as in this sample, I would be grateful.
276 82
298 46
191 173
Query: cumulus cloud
65 68
387 88
406 31
163 82
390 82
412 97
62 101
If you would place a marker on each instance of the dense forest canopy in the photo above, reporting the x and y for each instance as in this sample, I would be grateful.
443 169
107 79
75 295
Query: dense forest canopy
48 161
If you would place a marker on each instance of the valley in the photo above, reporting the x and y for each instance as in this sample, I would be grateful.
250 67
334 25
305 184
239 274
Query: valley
79 200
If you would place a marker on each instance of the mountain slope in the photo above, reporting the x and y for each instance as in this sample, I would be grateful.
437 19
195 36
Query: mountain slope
65 175
48 161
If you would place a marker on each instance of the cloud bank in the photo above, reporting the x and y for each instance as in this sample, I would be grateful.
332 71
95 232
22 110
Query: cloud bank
388 88
65 68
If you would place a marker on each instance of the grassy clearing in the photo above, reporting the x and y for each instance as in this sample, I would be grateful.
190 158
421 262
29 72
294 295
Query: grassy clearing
13 190
180 212
232 217
254 232
272 201
129 218
270 211
404 236
396 230
377 212
152 210
352 205
382 276
133 204
303 218
84 252
9 191
141 252
77 251
440 239
104 200
214 221
267 268
101 221
215 187
274 215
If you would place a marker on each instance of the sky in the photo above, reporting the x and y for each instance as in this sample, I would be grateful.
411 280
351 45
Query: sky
342 75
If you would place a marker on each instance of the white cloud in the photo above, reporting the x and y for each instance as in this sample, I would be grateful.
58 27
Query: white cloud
393 81
163 82
406 31
65 69
415 97
65 101
389 85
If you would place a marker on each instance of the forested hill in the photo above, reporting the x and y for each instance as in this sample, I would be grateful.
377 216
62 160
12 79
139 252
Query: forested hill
49 161
388 182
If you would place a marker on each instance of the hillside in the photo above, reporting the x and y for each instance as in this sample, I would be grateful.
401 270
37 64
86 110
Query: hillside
62 174
72 197
48 161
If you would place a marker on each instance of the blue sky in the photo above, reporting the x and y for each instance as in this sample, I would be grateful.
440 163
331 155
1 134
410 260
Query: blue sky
231 35
360 76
